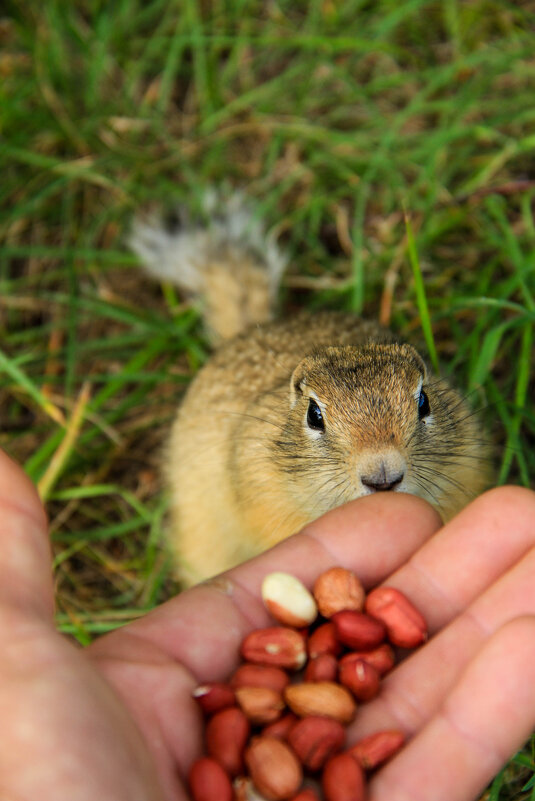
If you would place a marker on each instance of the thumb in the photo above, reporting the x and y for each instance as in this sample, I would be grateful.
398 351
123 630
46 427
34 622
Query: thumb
25 556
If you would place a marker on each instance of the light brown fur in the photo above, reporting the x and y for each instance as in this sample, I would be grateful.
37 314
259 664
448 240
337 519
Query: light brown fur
246 469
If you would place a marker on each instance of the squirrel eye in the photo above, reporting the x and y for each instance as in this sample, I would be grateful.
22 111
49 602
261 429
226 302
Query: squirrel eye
423 405
315 417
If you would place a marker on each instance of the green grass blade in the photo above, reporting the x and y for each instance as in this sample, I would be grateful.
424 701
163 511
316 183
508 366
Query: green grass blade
522 383
24 382
487 353
421 298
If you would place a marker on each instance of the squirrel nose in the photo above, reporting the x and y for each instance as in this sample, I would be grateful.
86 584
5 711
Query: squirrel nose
382 480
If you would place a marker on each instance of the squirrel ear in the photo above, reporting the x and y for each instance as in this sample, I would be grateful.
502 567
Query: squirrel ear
298 382
412 354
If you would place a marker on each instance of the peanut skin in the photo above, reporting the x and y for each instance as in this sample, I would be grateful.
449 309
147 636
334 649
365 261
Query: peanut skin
405 625
209 782
343 779
372 751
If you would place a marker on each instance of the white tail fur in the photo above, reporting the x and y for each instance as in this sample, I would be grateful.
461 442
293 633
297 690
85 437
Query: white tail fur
229 262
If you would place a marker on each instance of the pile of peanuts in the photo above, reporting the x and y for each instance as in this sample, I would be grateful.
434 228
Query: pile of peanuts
276 731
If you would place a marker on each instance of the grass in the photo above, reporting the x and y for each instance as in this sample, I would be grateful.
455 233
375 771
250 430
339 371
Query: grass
340 118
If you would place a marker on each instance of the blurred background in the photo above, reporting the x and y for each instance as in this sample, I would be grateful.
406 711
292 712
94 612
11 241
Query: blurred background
341 119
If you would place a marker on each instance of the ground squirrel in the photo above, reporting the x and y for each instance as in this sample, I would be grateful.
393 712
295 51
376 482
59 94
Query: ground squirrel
291 418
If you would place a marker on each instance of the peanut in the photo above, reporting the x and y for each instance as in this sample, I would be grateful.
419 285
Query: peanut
361 678
358 630
274 768
249 675
405 625
288 600
322 668
307 794
276 645
226 735
382 658
260 704
209 782
315 739
343 779
372 751
214 696
338 589
301 723
324 698
281 727
324 641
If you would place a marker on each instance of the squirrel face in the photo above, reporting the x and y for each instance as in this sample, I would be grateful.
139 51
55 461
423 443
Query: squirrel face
369 419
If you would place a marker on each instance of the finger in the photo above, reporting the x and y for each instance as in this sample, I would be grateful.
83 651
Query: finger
488 715
475 548
373 536
203 627
408 698
25 557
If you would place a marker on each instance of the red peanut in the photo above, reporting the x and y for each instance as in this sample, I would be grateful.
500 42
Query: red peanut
315 739
226 734
249 675
343 779
281 727
405 625
372 751
322 668
209 782
358 630
361 678
275 645
214 696
382 658
323 641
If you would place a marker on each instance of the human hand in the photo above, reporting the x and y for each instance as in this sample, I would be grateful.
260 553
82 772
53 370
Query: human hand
68 714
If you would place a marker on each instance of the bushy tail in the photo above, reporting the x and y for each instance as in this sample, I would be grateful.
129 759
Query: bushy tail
230 264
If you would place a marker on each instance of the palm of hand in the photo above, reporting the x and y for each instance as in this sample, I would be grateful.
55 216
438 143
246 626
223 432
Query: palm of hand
70 718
